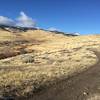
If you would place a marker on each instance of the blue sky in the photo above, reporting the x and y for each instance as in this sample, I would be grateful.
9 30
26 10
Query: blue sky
66 15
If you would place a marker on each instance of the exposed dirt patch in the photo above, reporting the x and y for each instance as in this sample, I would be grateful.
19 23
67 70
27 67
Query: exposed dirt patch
18 47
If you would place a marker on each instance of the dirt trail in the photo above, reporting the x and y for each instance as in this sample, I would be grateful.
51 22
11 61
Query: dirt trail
80 87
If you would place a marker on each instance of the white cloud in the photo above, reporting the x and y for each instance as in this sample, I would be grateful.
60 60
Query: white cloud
76 33
53 29
6 21
25 21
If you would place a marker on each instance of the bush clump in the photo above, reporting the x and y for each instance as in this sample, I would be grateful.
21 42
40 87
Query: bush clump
28 59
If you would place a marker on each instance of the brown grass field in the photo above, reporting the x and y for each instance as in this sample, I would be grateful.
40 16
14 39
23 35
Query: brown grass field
32 61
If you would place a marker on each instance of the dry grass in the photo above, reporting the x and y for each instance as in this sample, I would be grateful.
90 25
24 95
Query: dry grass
36 65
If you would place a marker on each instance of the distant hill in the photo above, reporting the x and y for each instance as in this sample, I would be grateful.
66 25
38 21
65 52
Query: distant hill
15 29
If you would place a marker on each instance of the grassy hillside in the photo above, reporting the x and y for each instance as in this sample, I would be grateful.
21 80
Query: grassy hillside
33 60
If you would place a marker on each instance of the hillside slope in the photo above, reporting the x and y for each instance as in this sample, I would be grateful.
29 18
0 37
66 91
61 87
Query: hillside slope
33 60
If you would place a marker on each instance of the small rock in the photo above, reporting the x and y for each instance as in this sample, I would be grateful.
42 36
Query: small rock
85 93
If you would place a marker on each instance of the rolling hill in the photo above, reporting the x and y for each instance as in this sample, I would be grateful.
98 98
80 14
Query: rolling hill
31 60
